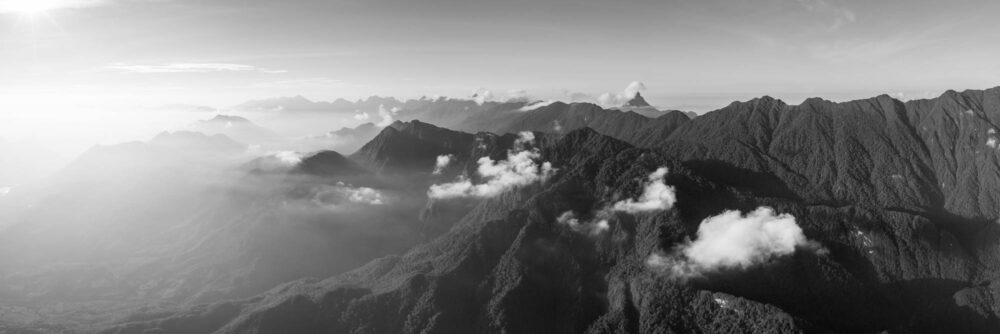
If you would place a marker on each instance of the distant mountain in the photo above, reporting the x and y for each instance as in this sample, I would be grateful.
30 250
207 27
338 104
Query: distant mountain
413 146
637 101
451 113
300 103
363 130
187 108
238 128
346 140
560 117
294 103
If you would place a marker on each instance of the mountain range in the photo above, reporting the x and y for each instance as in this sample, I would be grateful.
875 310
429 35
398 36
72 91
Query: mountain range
874 215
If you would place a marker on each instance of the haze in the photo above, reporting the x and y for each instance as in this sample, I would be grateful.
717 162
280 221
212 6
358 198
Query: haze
80 72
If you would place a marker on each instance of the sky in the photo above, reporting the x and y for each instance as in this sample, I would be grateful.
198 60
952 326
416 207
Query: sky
84 57
695 54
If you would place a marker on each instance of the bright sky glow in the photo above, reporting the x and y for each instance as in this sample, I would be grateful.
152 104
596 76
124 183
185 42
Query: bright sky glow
66 59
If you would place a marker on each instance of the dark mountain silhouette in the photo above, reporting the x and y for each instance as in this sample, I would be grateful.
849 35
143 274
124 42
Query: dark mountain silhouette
925 155
637 101
413 146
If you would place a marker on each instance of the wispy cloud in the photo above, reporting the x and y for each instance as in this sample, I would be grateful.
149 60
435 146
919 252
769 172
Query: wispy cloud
867 49
840 15
190 68
537 105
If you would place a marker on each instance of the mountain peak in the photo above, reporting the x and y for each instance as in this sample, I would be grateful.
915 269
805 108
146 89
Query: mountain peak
637 101
228 118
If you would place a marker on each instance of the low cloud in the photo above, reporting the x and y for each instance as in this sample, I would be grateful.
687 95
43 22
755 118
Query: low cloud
618 99
519 169
289 158
733 240
341 194
656 196
518 95
537 105
362 116
442 162
556 126
387 115
190 68
594 226
482 95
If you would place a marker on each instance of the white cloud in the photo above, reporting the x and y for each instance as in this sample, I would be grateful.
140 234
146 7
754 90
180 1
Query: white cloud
517 95
289 158
364 195
524 139
592 227
556 126
362 116
5 190
442 162
732 240
519 169
482 95
340 194
619 99
656 196
991 142
633 88
537 105
189 68
386 116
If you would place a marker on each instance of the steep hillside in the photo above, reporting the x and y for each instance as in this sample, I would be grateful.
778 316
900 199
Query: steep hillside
514 264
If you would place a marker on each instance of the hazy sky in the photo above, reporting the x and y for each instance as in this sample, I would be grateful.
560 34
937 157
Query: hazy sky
696 55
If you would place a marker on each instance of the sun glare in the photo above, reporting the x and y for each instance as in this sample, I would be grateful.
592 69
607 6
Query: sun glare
28 7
